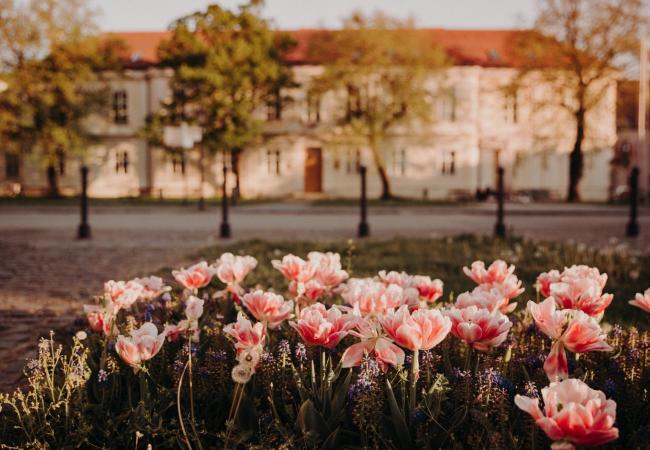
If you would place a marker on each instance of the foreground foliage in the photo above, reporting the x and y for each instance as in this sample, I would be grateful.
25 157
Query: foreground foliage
277 384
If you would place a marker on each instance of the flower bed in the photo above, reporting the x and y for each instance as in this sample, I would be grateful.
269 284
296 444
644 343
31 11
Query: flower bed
326 360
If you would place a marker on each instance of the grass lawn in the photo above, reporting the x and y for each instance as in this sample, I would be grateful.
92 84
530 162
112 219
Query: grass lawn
444 258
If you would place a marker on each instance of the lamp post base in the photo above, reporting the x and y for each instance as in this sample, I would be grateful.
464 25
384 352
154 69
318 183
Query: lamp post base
500 230
364 230
632 229
224 230
83 231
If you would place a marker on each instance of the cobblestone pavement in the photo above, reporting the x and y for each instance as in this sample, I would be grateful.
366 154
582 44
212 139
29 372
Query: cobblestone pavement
46 274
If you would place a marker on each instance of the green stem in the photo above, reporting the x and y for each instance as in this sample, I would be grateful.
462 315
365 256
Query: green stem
415 369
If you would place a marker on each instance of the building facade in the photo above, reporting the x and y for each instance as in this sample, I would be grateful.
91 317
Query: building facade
479 124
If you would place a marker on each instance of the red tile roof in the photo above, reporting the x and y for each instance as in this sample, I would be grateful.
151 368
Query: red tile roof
491 48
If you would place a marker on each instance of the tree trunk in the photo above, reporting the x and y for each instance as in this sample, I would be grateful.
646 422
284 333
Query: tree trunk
576 158
236 153
386 193
52 182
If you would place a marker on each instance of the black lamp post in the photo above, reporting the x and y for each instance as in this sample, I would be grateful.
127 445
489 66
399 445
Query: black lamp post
499 227
83 231
224 229
633 224
364 228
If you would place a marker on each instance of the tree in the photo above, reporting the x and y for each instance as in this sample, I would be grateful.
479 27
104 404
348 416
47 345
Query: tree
381 66
227 63
51 64
577 46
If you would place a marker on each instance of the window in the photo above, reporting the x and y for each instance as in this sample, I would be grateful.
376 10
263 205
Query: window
274 107
313 108
446 105
449 163
273 162
121 161
353 161
12 166
399 162
178 163
120 108
510 107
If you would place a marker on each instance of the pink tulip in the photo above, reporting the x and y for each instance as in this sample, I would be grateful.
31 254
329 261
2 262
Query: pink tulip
545 280
571 330
152 287
574 414
290 267
311 279
422 329
496 273
486 296
374 298
100 319
401 279
323 327
548 319
232 270
372 342
310 291
430 290
268 307
194 308
326 268
577 287
143 344
122 294
478 327
194 277
246 334
642 301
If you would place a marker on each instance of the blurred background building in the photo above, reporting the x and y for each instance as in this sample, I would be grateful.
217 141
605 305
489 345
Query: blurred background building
480 122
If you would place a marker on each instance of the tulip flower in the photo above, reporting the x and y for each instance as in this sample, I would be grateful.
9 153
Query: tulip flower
246 334
152 287
372 342
323 327
422 329
480 328
232 270
574 414
101 318
122 294
488 297
642 301
311 279
401 279
496 273
572 330
291 266
268 307
577 287
374 298
194 277
143 344
430 290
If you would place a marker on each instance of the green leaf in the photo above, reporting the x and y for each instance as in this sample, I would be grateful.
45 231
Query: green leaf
311 421
397 416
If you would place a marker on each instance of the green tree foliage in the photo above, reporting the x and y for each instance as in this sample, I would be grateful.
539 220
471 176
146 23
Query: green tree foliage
226 64
576 46
51 67
381 65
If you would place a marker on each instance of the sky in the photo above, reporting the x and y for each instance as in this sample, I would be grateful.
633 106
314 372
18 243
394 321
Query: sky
150 15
